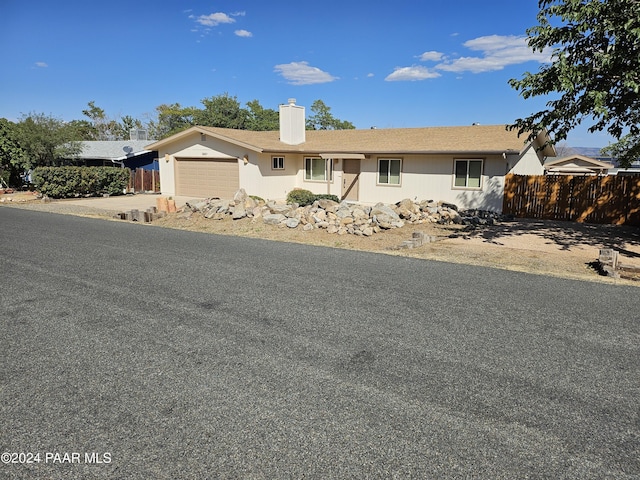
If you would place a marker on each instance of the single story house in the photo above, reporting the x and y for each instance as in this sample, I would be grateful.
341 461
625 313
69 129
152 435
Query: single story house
633 169
116 153
461 165
576 165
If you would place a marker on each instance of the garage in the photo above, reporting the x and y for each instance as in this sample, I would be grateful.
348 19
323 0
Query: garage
207 178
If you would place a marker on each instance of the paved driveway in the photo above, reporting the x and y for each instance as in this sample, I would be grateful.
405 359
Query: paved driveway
125 202
157 353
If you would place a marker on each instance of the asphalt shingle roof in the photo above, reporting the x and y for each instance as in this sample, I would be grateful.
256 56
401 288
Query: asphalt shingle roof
476 138
113 149
489 139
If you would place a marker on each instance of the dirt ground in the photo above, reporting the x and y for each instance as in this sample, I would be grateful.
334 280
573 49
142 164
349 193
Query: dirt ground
562 249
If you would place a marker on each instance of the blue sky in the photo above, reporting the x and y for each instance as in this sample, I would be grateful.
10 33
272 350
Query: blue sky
407 63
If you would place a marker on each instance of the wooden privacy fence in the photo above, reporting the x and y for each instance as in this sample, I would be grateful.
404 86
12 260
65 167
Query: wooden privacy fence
144 181
610 199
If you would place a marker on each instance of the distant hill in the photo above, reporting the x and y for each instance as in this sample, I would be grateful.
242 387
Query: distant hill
566 150
592 152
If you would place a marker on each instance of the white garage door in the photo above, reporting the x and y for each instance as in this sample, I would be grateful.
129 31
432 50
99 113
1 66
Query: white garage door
207 178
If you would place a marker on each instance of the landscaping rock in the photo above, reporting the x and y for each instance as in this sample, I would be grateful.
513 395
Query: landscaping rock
345 217
292 222
384 216
281 208
240 196
326 204
239 211
273 218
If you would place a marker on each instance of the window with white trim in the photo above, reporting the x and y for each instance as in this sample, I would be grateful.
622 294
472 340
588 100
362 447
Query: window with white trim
277 163
315 169
389 171
468 173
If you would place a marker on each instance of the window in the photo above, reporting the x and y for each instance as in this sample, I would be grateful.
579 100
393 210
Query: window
277 163
314 169
389 171
468 173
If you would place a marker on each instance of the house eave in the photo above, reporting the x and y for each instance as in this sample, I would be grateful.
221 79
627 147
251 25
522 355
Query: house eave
196 129
362 153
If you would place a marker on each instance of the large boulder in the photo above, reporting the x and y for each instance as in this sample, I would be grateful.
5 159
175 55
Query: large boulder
240 196
281 208
385 216
250 204
326 204
292 222
320 216
239 211
359 212
273 218
406 208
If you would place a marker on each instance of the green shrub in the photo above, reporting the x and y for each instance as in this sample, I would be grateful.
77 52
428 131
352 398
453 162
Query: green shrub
63 182
301 197
327 196
305 197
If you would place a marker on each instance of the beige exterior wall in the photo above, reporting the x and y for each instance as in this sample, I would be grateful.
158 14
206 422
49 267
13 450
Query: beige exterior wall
530 163
198 148
423 177
259 178
167 173
431 178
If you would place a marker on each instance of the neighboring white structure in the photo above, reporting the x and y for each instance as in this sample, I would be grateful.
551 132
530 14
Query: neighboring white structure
461 165
577 165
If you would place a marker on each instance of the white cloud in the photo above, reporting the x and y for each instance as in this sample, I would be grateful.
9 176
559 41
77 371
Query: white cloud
498 51
243 33
369 75
301 73
431 56
411 74
214 19
41 65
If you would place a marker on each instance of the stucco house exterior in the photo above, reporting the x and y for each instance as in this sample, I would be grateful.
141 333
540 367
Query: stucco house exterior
461 165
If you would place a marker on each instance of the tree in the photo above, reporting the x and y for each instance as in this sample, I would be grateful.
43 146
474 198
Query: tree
172 119
221 111
82 130
45 141
626 150
125 125
10 152
260 118
594 70
322 119
105 128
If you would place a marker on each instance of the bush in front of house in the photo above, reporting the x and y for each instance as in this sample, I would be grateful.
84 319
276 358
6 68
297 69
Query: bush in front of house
65 182
305 197
327 196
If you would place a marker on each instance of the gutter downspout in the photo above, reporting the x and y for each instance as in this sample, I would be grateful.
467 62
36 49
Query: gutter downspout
326 169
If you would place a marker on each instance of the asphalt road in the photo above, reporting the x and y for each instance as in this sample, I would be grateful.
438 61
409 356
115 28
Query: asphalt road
143 352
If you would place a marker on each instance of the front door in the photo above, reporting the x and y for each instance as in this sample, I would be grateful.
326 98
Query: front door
350 177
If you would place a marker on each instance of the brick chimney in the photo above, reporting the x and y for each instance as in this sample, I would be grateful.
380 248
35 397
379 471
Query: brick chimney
292 123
